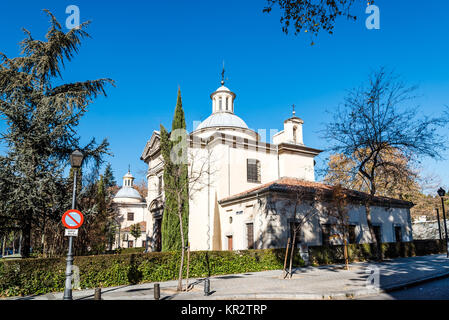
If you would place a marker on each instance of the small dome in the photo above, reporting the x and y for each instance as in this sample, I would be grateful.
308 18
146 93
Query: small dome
129 193
222 119
128 175
223 88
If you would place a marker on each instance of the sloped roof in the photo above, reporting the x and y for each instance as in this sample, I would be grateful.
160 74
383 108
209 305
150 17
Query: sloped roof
143 227
291 185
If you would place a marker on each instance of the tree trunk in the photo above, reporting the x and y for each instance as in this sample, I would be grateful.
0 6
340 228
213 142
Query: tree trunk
44 245
292 252
182 244
370 227
285 259
346 254
4 245
20 243
188 266
26 232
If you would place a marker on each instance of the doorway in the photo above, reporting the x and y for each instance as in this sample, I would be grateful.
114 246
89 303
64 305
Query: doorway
158 234
378 234
250 235
230 243
398 233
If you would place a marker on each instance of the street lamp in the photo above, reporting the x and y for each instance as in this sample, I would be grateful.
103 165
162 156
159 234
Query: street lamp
442 193
76 159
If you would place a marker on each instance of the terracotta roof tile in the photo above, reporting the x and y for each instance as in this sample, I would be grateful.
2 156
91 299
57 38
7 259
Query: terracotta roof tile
288 184
143 227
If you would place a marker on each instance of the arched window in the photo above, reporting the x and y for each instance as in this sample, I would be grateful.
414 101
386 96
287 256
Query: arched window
220 103
227 103
294 133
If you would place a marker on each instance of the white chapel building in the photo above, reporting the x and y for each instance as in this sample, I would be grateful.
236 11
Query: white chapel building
242 189
131 208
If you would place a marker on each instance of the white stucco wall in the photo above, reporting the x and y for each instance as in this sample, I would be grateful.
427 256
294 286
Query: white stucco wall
123 206
271 223
297 166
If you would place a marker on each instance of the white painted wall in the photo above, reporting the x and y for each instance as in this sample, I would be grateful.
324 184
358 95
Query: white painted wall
123 206
271 224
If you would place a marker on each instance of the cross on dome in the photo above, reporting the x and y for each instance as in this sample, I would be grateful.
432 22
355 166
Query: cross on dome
223 75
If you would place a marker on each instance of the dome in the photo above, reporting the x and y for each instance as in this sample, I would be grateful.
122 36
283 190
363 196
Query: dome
223 88
222 119
128 192
128 175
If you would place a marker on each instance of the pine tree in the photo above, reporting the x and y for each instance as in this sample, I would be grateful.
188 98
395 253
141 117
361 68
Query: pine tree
109 179
42 115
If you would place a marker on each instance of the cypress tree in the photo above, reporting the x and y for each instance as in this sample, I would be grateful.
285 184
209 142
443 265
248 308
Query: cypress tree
176 186
170 223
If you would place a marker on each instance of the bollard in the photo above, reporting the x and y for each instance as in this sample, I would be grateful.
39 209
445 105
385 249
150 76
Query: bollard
157 291
206 287
97 295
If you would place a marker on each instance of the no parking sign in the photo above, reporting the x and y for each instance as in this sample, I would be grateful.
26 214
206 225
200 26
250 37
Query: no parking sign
72 219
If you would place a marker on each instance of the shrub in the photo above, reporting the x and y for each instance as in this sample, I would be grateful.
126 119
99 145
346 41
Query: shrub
321 255
39 276
128 250
44 275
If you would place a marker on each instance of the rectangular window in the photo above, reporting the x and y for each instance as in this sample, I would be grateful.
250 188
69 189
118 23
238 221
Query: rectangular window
325 234
378 233
253 170
130 216
398 233
250 235
352 236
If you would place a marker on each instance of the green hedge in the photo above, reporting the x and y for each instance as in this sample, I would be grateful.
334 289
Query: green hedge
127 250
40 276
322 255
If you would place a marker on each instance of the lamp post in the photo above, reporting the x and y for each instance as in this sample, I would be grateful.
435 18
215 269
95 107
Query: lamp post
76 159
442 193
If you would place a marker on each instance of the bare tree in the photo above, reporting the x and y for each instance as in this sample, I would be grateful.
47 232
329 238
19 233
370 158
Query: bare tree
379 117
303 202
338 215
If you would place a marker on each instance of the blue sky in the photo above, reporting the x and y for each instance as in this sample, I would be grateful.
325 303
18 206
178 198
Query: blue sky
151 47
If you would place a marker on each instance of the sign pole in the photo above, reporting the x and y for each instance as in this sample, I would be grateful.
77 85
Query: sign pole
68 272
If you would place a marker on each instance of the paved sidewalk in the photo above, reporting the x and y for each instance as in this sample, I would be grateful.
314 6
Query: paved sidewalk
325 282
